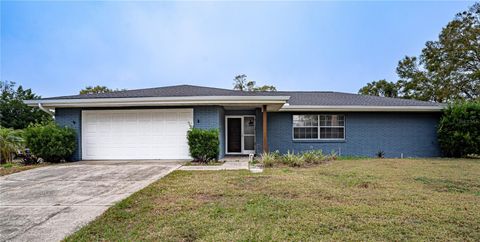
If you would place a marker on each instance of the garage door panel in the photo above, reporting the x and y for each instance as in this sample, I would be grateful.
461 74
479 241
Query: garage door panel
136 134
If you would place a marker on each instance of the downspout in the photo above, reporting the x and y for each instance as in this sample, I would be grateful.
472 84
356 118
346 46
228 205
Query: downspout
46 110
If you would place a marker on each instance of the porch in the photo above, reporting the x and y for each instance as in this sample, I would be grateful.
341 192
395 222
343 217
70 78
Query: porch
243 129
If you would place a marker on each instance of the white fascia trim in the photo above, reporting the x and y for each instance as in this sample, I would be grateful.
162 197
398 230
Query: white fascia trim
357 108
158 101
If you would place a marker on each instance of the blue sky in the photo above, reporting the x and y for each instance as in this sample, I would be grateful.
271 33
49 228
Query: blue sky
57 48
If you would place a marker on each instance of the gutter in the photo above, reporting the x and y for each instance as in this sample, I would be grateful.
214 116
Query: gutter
45 110
359 108
158 101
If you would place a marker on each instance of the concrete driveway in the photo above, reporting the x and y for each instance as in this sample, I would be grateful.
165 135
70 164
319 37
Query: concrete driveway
48 203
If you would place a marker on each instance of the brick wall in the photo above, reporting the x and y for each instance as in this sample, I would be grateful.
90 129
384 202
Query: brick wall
413 134
71 117
211 117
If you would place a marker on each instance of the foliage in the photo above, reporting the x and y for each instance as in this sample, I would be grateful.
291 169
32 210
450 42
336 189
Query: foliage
448 69
314 157
264 88
292 159
50 141
7 165
380 154
270 159
14 167
98 89
242 84
203 144
10 142
459 129
13 112
210 163
380 88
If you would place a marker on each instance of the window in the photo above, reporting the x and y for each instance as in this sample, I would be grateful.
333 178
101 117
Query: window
305 126
323 126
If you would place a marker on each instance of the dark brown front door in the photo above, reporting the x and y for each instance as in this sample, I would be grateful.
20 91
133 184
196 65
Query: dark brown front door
234 135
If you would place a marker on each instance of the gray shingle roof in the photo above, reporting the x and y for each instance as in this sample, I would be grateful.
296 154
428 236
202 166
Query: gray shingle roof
296 97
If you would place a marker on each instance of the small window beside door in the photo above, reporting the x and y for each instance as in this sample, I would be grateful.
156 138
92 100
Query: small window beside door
249 133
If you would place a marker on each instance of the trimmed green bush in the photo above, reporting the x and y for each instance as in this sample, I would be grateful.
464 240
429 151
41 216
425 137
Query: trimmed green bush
50 141
459 130
203 144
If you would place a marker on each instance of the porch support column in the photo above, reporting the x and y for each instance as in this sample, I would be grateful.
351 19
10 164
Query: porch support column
265 140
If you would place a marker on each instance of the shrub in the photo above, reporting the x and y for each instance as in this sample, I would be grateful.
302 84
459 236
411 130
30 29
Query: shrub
292 159
203 144
270 159
380 154
332 156
50 141
459 130
10 142
313 156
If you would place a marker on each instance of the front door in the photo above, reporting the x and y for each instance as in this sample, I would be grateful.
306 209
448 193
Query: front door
240 136
234 135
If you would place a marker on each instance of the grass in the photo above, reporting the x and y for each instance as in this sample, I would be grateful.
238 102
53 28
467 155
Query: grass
373 199
210 163
13 167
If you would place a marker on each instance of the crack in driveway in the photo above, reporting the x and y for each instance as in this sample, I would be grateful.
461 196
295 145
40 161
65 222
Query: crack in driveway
38 224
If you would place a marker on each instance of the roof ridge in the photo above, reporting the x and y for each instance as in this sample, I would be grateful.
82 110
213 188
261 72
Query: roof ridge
396 98
173 86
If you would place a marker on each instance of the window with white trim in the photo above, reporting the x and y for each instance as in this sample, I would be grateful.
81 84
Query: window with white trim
322 127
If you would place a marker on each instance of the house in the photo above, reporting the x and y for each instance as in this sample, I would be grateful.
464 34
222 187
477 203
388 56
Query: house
152 123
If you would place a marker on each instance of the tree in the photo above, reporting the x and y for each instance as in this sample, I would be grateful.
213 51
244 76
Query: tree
95 89
265 88
13 112
241 84
10 142
380 88
448 69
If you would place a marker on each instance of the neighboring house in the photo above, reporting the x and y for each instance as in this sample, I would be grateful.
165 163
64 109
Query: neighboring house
152 123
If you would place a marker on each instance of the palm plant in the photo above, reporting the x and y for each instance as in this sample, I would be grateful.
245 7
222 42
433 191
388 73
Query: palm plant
10 142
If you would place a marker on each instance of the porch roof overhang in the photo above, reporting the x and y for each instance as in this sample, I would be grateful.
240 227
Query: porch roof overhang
274 103
359 108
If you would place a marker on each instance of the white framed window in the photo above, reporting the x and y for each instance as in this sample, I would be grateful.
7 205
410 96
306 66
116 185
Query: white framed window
319 127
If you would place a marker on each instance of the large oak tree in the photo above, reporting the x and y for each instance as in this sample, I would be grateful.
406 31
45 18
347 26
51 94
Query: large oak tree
448 69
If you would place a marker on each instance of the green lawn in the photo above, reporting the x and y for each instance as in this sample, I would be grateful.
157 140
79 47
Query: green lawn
372 199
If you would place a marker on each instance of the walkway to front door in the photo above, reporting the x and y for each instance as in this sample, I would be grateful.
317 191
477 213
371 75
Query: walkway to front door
240 134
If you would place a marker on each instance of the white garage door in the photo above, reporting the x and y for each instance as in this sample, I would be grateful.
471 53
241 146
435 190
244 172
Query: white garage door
135 134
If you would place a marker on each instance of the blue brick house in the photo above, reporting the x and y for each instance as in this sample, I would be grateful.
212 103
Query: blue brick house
152 123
